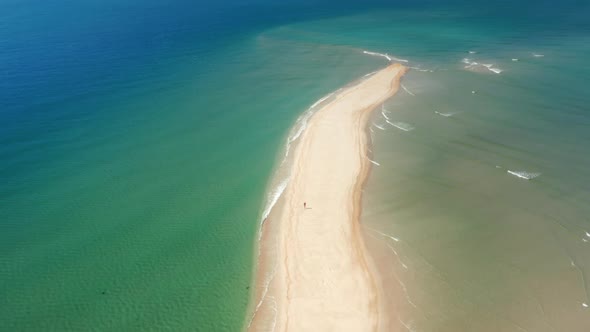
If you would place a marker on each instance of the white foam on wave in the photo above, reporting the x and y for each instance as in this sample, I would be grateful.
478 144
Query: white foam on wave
422 70
524 175
405 289
301 123
588 234
399 60
402 284
299 128
408 91
386 56
324 98
445 114
384 112
514 59
385 235
537 55
377 54
472 52
371 73
263 297
374 162
401 125
474 65
272 199
378 126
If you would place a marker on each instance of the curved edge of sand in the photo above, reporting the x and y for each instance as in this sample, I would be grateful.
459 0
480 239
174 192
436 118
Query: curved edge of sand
302 282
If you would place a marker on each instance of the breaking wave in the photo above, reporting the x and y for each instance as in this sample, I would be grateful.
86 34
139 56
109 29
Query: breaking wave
406 90
384 112
378 126
401 125
389 58
422 69
524 175
445 114
273 197
476 66
374 162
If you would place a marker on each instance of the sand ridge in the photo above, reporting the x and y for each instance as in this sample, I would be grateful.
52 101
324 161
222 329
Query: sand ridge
324 280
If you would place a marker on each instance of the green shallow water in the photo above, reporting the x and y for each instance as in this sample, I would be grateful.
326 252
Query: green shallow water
138 207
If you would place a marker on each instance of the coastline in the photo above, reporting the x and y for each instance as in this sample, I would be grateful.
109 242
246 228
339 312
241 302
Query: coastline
313 269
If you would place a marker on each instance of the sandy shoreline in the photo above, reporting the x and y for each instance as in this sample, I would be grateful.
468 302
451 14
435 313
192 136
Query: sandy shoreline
323 278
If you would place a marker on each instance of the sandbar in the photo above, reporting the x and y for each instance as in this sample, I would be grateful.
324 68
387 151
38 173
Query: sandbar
324 279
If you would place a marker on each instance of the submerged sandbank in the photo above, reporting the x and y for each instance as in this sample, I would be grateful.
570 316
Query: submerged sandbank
322 278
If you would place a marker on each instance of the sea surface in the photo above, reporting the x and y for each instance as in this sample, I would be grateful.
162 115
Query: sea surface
138 143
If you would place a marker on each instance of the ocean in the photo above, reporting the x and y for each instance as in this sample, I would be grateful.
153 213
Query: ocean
139 141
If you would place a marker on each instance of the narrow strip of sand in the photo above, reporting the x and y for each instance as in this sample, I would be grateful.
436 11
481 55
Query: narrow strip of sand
324 280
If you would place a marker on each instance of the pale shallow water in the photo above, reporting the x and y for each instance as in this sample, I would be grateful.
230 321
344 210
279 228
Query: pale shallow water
479 190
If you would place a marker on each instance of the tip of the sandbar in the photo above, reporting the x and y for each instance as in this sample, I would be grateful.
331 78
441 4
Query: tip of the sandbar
397 66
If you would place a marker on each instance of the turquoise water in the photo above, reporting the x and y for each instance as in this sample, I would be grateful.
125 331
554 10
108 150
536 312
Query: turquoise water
137 141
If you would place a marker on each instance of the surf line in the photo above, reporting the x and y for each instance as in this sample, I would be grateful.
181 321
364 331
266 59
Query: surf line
444 114
406 90
383 112
277 192
378 126
374 162
401 125
386 56
524 175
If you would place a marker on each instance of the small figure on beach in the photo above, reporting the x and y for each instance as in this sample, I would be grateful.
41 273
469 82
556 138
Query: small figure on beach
304 205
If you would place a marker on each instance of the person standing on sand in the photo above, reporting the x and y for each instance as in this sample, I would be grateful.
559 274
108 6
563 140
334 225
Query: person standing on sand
304 205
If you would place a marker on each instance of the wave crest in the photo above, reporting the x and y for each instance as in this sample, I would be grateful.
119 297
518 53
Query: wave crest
389 58
524 174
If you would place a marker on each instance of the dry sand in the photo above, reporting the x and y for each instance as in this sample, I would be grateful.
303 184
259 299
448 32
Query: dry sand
324 279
